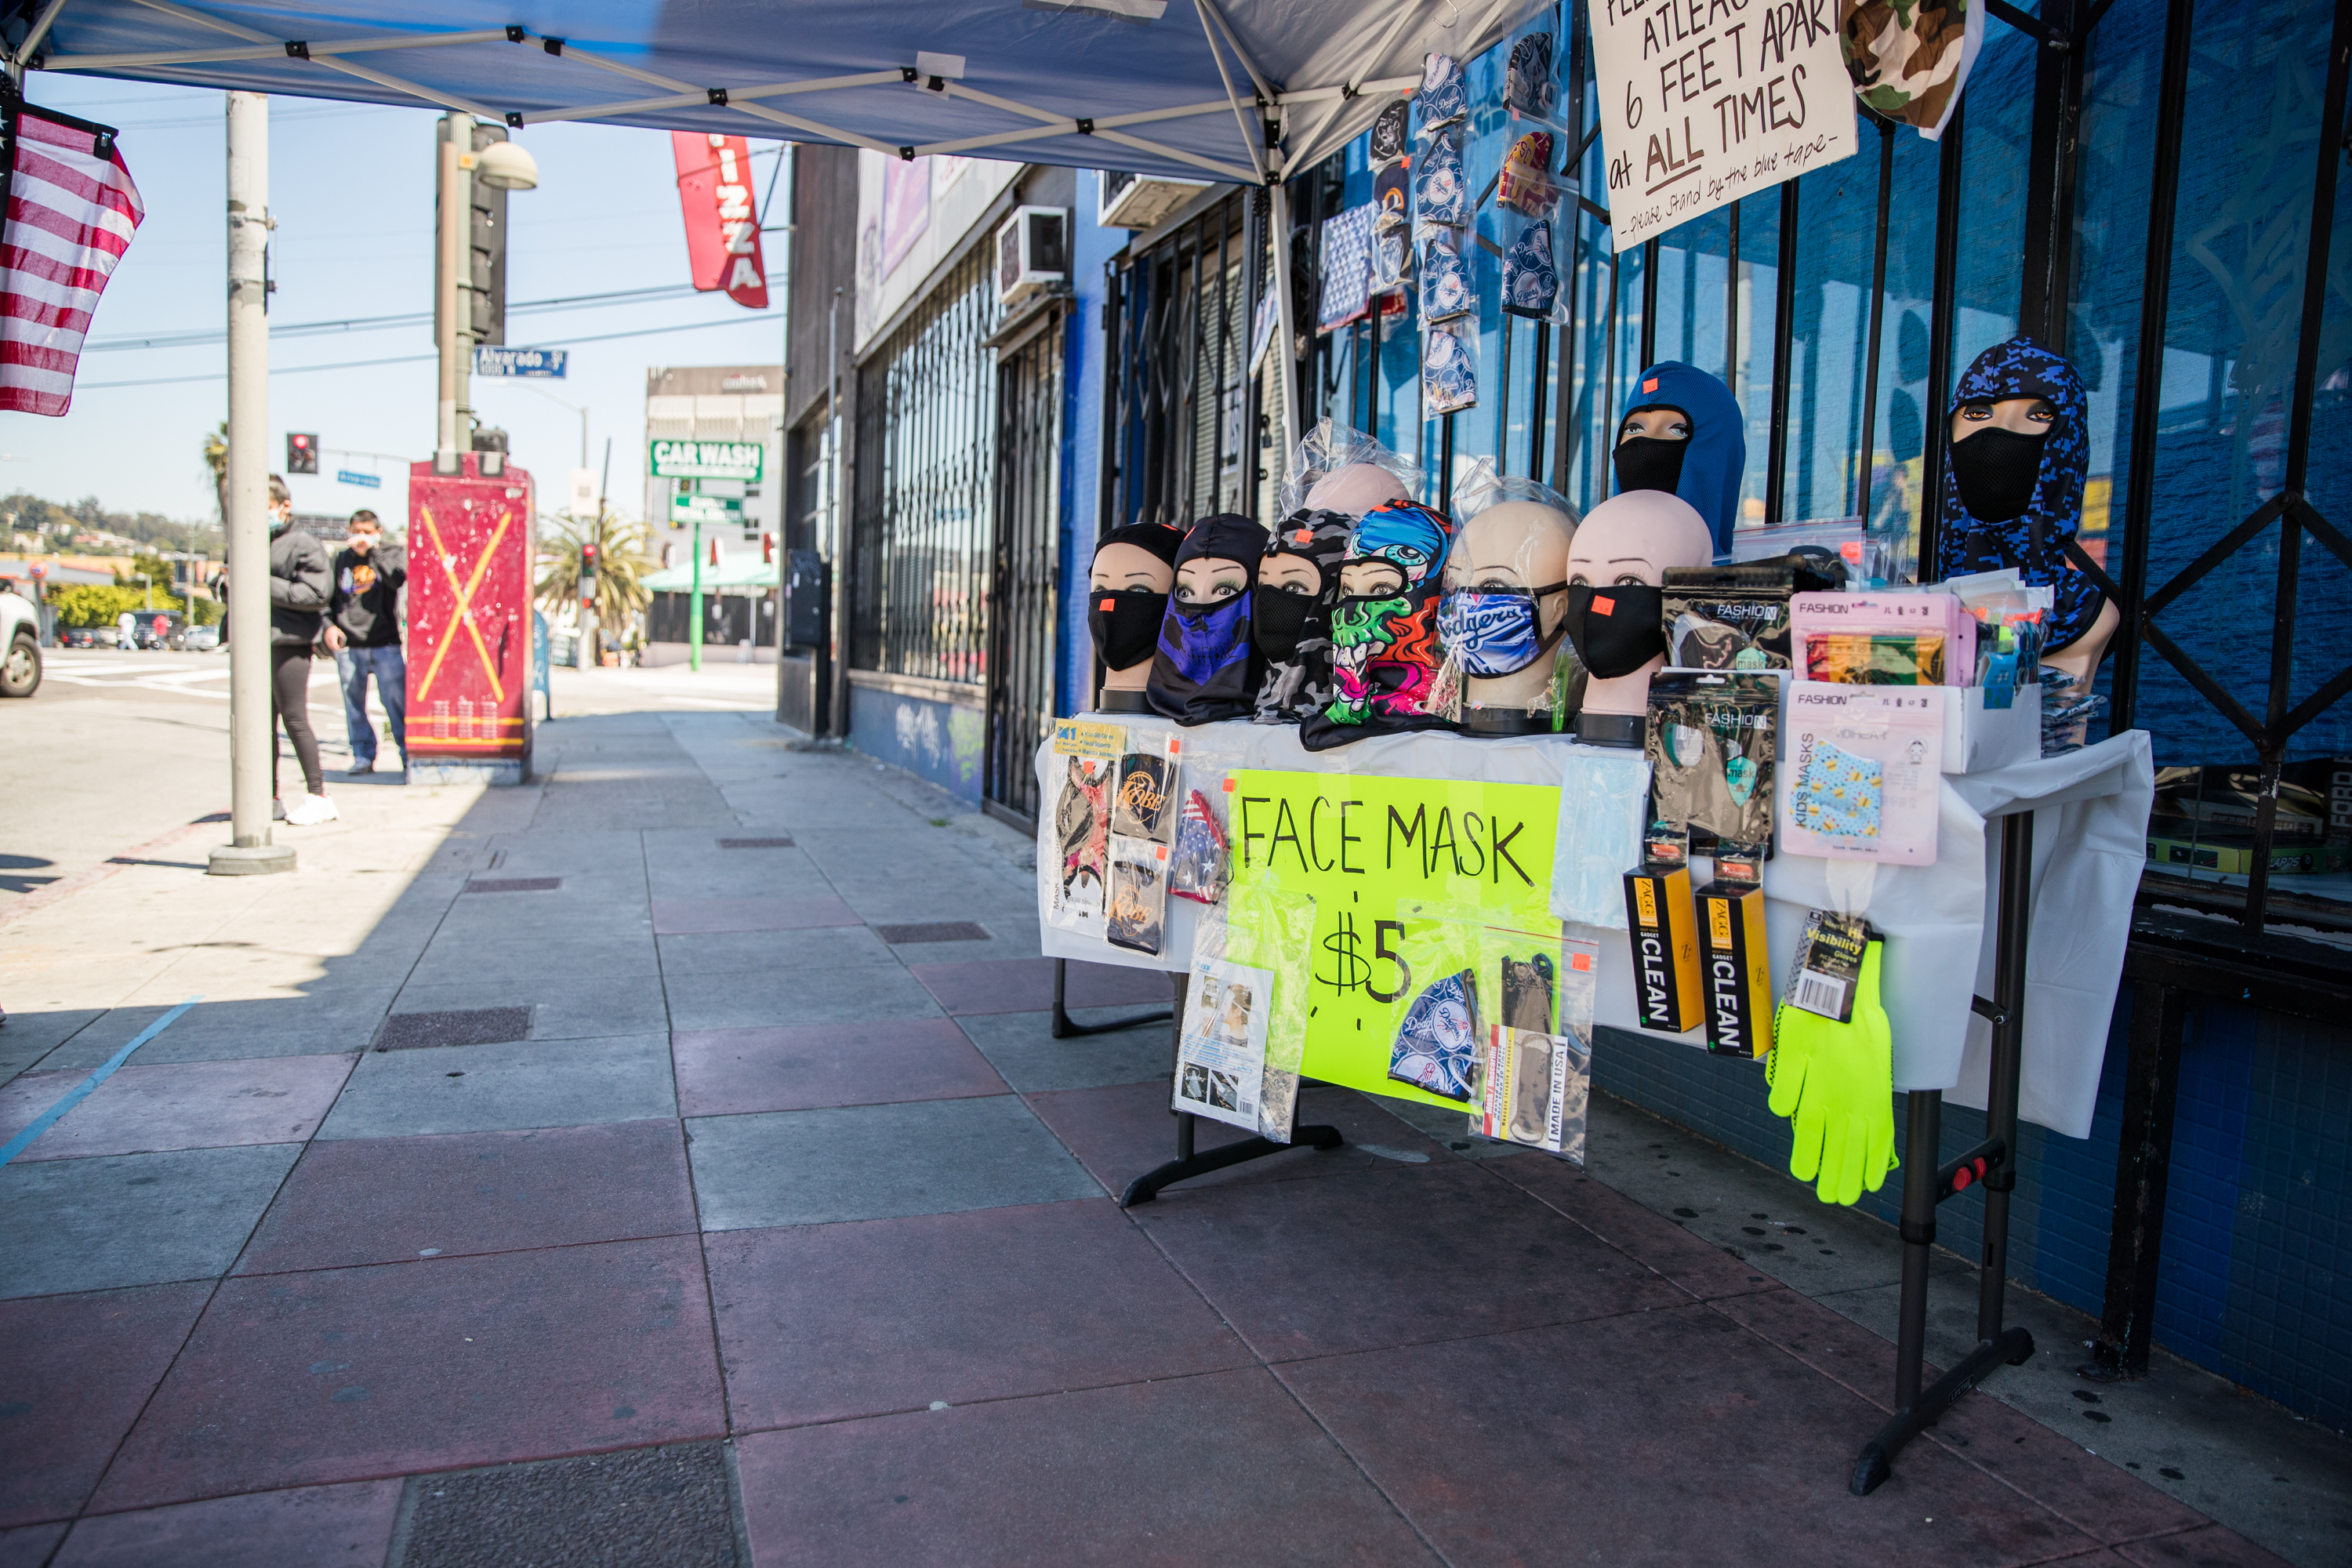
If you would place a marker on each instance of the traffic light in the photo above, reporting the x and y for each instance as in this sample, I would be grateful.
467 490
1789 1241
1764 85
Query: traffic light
588 574
302 454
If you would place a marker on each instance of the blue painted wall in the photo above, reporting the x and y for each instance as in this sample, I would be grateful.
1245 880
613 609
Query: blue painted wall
1082 420
2256 1275
940 741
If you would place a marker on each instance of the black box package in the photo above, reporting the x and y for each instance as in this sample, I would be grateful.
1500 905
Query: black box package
1736 617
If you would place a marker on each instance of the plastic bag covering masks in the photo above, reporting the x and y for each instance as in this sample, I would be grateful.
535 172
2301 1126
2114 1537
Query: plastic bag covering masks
1530 278
1716 456
1439 197
1291 613
1445 290
1529 85
1599 840
2035 541
1197 870
1449 372
1203 670
1082 831
1443 98
1384 626
1389 137
1342 469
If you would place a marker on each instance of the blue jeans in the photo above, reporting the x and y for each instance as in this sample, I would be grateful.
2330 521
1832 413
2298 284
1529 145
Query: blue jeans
352 664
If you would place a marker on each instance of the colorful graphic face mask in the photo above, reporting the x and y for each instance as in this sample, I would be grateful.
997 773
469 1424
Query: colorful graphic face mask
1385 642
1492 633
1838 794
1363 628
1436 1046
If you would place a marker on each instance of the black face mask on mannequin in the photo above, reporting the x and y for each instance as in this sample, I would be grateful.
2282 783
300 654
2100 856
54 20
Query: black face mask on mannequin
1278 621
1620 637
1996 470
1126 633
1648 463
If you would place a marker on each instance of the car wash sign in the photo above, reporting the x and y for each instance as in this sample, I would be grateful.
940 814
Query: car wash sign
707 460
1704 101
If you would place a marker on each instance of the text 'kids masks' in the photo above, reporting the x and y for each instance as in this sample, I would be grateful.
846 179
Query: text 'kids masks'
1384 627
1203 670
2015 500
1704 468
1290 613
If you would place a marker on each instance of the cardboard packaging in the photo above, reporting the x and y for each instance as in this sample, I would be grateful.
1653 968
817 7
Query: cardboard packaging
1662 926
1737 969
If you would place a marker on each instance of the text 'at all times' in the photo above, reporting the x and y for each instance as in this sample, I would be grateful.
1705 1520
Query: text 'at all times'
1728 57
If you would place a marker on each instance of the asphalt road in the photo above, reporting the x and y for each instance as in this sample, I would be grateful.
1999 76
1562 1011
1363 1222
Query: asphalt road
116 750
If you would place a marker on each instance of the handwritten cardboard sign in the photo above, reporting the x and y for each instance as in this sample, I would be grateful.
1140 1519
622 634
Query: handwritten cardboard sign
1704 101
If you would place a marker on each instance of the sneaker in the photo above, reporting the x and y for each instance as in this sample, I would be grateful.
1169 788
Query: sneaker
356 769
277 810
310 811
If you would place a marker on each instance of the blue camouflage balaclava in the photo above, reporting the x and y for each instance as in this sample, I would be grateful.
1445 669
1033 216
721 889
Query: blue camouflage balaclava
1716 455
2035 541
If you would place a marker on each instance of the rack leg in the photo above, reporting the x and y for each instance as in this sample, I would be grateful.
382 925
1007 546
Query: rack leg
1188 1162
1926 1185
1067 1028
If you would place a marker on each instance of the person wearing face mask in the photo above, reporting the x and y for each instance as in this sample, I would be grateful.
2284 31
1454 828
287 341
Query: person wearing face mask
1682 434
2013 492
1202 669
300 583
1127 598
1384 627
1290 613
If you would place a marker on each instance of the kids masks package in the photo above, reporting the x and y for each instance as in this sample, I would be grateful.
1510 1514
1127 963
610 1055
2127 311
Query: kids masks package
1861 778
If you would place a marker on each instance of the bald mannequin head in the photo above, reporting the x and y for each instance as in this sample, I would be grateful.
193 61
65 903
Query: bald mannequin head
1355 488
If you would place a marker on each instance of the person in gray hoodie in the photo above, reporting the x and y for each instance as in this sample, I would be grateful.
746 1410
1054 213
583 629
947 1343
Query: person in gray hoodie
300 583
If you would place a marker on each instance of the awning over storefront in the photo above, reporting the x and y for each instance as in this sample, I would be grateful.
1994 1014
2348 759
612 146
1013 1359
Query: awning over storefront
1169 87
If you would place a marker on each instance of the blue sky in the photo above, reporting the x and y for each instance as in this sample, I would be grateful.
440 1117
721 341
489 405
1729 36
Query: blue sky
352 188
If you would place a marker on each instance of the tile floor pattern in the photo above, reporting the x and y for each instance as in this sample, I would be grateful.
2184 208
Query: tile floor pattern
772 1243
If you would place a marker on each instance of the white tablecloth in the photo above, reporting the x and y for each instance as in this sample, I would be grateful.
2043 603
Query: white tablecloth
2090 826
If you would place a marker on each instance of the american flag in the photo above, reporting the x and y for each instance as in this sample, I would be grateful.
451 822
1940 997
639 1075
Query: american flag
70 215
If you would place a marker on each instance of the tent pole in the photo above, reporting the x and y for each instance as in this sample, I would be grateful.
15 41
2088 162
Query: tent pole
1287 355
249 850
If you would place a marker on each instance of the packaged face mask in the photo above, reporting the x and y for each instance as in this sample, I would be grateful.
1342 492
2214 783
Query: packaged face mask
1389 139
1529 87
1436 1046
1082 832
1525 184
1443 98
1885 613
1712 748
1861 778
1198 870
1445 291
1857 659
1531 275
1136 918
1439 195
1449 372
1736 617
1142 803
1392 198
1392 258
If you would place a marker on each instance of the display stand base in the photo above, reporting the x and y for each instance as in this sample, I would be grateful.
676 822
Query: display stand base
1989 1168
1065 1027
1624 730
1189 1162
1504 721
1124 702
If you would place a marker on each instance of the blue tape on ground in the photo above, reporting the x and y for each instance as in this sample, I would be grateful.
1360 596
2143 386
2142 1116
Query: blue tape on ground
48 1119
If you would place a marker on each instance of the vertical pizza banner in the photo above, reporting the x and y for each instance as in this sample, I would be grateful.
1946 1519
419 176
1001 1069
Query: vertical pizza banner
469 614
722 222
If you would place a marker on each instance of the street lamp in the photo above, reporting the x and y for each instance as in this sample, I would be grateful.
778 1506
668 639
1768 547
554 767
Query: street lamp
502 166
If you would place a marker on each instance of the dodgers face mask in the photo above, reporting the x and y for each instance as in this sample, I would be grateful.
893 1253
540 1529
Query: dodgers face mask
1615 628
1493 633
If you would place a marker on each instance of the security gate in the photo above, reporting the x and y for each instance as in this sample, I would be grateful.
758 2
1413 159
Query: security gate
1021 607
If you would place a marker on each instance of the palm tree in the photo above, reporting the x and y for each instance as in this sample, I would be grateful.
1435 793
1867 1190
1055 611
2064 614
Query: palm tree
621 565
216 468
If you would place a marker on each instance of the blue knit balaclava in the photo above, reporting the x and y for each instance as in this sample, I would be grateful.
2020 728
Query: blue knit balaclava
1716 455
2033 541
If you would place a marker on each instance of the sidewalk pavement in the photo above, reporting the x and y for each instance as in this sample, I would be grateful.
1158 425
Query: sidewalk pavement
707 1203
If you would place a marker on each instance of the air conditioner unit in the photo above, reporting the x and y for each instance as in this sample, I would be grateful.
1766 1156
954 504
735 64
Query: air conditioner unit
1142 200
1032 254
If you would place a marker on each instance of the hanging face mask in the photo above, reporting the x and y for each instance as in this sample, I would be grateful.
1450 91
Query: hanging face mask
1996 470
1279 620
1494 633
1615 628
1648 463
1124 626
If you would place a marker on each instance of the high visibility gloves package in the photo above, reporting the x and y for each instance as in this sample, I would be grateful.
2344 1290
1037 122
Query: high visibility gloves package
1833 1063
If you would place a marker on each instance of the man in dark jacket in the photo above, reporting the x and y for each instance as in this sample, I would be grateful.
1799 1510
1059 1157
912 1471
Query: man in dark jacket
299 585
363 616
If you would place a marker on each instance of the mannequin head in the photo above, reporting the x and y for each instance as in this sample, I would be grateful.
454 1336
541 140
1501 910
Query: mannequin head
1128 587
1355 488
1291 612
1615 562
2017 463
1682 434
1507 602
1203 669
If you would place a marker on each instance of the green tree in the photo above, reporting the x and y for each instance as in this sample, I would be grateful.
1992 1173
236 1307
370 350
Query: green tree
622 563
217 471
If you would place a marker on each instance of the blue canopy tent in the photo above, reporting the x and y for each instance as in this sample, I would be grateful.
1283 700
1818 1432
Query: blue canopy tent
1240 90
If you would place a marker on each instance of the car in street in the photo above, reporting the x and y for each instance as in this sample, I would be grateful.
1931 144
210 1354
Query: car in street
20 646
201 639
85 636
156 628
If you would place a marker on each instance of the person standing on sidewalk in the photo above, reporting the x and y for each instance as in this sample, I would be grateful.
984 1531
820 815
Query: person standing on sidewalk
300 586
363 617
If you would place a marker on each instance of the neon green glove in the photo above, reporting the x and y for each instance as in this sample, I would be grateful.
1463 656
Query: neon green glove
1837 1082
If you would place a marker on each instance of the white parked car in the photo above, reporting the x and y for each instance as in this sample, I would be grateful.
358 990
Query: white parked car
20 647
201 639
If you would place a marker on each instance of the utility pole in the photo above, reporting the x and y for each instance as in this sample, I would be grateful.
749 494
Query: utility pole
694 602
250 851
452 273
